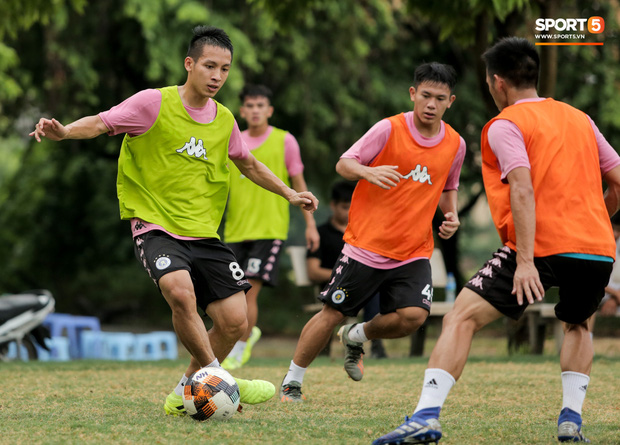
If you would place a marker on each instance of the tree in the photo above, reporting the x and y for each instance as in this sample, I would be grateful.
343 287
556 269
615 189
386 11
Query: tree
335 68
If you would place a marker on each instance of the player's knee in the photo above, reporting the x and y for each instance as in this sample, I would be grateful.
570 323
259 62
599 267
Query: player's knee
331 316
181 299
233 326
459 321
583 326
412 318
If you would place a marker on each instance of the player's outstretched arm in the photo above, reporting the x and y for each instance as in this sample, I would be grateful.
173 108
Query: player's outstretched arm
85 128
258 173
384 176
448 206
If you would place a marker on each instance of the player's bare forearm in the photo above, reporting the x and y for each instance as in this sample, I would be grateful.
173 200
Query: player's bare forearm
299 185
258 173
384 176
312 235
448 206
316 273
523 209
612 194
527 282
85 128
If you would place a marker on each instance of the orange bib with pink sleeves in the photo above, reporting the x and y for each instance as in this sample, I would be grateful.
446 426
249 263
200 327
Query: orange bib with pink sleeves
571 216
396 223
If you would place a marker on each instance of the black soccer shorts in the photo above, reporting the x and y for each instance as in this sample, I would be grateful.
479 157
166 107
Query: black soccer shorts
212 265
259 259
352 284
581 282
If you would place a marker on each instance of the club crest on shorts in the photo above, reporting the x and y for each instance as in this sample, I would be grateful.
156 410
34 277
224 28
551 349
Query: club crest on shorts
338 296
162 262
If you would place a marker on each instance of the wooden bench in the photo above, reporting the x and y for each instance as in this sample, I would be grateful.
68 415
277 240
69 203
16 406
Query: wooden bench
538 317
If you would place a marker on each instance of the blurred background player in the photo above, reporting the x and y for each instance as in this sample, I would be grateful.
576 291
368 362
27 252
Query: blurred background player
405 167
543 163
173 161
321 262
256 224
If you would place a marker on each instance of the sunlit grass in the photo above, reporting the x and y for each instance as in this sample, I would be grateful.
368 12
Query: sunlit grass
500 399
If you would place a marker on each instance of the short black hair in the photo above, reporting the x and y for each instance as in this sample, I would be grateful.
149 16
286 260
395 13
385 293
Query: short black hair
516 60
255 91
208 35
615 219
435 72
342 191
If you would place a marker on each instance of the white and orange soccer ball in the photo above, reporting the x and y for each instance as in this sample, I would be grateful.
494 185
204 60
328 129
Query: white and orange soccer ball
211 393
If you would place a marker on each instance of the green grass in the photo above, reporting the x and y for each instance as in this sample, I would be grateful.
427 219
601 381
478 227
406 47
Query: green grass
498 400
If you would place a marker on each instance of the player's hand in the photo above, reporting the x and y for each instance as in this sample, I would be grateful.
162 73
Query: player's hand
305 200
449 226
49 128
385 176
527 283
609 308
313 238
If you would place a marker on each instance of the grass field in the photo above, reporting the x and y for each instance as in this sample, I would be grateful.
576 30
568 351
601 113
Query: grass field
499 400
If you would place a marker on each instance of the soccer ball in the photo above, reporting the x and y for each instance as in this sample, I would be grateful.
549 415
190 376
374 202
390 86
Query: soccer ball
211 393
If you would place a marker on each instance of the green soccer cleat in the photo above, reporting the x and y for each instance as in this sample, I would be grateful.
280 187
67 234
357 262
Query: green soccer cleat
231 363
174 405
247 352
255 391
354 354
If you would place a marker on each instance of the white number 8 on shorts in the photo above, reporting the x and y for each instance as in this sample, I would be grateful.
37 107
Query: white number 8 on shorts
237 273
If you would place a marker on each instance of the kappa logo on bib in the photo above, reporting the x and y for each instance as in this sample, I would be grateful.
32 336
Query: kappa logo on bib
194 148
162 262
419 174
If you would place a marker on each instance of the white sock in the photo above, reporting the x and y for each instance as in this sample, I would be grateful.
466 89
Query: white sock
574 387
237 350
294 373
215 363
357 333
437 385
179 389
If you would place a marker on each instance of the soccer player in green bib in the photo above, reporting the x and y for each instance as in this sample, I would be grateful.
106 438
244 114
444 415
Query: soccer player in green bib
256 223
173 179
